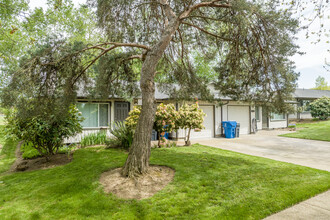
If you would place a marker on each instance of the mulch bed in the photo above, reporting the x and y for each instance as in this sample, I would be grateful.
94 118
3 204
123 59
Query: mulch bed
38 163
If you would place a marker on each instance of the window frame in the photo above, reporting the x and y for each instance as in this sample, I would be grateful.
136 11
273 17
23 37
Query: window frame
271 117
98 114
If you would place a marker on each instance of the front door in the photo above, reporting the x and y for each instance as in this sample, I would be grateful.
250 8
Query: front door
264 120
121 111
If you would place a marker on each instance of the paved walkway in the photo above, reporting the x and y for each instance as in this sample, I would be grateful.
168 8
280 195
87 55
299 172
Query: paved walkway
315 154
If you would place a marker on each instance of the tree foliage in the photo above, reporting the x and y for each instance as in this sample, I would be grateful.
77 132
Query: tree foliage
23 28
191 117
321 84
320 108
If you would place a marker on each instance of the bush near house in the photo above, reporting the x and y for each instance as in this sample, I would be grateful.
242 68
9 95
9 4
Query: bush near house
166 119
320 108
29 152
122 136
45 134
94 139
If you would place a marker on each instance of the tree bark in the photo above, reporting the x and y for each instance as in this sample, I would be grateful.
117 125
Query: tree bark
137 162
188 143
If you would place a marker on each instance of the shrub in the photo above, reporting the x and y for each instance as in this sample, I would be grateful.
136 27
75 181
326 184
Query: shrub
191 117
94 139
122 136
165 119
45 133
29 152
320 108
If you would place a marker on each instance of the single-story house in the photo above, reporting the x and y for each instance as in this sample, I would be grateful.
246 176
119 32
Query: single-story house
99 114
303 97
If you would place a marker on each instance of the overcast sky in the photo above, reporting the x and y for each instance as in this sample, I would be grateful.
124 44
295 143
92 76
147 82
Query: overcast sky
310 65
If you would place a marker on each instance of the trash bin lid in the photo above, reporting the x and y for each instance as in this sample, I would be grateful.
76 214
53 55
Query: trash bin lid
232 124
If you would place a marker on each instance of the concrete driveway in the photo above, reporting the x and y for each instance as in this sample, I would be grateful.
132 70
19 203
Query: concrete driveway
315 154
268 144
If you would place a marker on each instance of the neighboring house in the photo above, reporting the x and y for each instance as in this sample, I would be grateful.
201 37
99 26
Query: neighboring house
100 114
303 98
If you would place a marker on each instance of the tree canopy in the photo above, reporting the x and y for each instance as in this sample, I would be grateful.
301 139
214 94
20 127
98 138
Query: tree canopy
321 84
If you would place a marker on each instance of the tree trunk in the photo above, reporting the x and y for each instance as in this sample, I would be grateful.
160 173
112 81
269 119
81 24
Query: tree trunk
137 162
159 139
188 138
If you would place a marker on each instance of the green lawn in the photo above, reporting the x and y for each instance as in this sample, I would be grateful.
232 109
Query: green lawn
209 183
314 131
7 154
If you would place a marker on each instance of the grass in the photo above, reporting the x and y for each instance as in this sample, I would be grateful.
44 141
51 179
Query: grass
209 183
313 131
7 154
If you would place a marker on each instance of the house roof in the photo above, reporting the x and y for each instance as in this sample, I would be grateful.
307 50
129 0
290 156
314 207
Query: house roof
311 93
162 96
298 94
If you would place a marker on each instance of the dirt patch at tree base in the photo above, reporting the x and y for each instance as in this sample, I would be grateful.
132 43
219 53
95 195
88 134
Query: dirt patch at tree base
142 187
39 163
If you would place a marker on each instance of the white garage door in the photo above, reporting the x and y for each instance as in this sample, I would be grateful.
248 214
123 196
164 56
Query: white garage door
241 115
208 124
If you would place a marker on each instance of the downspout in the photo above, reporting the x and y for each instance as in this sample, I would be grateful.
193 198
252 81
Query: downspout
250 119
214 121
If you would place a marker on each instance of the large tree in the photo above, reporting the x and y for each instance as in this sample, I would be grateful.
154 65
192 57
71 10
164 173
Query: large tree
250 42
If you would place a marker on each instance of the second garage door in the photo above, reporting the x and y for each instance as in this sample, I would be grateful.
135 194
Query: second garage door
241 115
208 124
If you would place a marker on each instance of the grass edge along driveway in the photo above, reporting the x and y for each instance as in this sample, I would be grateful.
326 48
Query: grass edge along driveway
209 184
312 131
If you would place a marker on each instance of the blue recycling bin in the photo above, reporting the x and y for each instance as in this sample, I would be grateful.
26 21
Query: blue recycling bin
229 128
166 135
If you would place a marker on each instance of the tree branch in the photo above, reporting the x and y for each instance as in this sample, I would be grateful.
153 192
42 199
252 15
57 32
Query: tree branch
182 46
211 4
168 10
99 46
207 32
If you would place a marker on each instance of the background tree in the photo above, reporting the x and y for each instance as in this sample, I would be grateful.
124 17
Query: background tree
23 28
250 40
321 84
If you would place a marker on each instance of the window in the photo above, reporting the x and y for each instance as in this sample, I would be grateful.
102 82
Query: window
275 116
257 113
95 114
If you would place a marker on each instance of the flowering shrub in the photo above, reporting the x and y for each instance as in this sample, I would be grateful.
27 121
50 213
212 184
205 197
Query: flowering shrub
133 117
45 134
190 117
320 108
165 120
